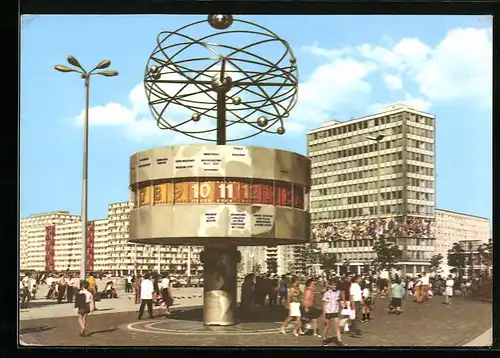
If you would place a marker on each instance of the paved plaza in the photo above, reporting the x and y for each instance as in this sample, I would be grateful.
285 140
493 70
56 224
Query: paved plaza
116 324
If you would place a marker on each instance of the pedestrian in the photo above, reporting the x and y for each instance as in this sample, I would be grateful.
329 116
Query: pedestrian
346 299
425 287
128 283
84 305
357 304
283 290
398 292
92 289
311 311
72 288
61 289
272 290
25 292
247 295
367 306
418 289
331 312
137 288
293 306
147 291
449 290
166 292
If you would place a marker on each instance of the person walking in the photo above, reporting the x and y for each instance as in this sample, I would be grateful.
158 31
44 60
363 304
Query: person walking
283 290
137 288
166 293
147 291
346 300
71 289
128 283
449 290
293 306
368 302
425 287
398 292
331 312
357 304
84 306
25 292
61 289
310 310
92 289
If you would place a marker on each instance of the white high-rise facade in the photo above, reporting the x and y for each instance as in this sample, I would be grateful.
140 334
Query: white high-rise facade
453 227
345 180
52 241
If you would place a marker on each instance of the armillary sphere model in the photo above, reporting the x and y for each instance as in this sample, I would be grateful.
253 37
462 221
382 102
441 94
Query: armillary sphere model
237 81
247 75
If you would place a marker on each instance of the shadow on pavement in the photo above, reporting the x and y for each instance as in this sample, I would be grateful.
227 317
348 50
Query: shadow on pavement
104 309
109 330
36 304
35 329
265 315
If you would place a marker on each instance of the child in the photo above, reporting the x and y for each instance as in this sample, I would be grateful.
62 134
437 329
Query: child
449 290
367 300
85 305
331 312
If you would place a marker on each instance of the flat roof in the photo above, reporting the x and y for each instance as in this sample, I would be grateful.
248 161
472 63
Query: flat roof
337 124
456 212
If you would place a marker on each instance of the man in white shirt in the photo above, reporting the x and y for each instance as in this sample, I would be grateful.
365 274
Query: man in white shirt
146 296
164 286
128 284
357 294
425 287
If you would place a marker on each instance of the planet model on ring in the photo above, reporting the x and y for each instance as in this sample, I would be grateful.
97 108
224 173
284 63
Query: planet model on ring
237 70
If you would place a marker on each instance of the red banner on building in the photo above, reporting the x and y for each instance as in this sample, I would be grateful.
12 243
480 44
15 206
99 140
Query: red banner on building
50 233
90 246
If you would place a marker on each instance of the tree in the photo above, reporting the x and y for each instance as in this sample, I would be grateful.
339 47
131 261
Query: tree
436 261
272 265
456 258
327 262
388 255
256 269
485 253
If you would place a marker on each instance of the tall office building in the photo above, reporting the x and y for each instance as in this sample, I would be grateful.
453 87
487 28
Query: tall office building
344 202
468 230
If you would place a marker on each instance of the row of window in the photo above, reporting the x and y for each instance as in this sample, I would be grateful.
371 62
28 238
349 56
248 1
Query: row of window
356 199
335 143
365 149
420 132
357 163
384 183
380 121
371 211
420 144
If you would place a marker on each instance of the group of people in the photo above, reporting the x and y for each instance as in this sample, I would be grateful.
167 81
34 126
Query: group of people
152 289
256 290
345 302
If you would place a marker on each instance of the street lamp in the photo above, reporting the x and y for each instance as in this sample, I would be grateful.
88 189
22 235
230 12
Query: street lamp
377 140
86 76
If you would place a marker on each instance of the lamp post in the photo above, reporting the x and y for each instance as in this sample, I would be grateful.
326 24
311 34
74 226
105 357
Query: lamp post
86 76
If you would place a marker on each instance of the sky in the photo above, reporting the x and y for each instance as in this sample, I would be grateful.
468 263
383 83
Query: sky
349 66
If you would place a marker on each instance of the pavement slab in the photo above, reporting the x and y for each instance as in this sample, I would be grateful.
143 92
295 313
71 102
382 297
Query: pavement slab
432 324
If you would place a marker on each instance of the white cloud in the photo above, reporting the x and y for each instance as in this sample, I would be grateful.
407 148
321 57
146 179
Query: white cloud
393 82
459 67
418 103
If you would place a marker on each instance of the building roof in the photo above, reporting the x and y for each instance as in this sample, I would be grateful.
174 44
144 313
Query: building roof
456 212
393 109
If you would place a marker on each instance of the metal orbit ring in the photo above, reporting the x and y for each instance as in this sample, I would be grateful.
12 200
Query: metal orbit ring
202 78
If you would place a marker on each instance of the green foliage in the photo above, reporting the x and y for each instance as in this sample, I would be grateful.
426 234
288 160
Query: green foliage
256 269
456 258
272 265
436 261
388 254
486 252
327 262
